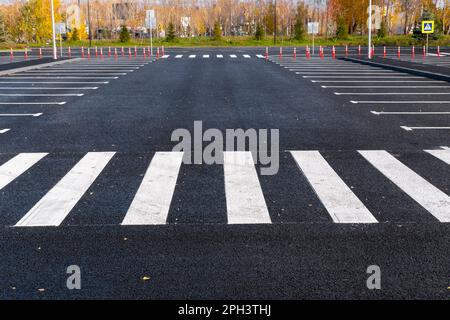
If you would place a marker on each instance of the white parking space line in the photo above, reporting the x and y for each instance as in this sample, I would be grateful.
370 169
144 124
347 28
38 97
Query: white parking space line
378 113
443 155
233 56
423 192
341 203
4 131
165 56
21 114
53 208
387 87
244 197
407 128
60 74
348 73
34 103
192 56
151 203
400 102
55 82
260 56
390 93
48 88
247 56
206 56
59 77
41 94
362 77
16 166
220 56
376 81
178 56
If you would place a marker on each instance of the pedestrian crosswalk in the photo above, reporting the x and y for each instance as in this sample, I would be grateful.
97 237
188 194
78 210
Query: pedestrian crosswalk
212 56
248 200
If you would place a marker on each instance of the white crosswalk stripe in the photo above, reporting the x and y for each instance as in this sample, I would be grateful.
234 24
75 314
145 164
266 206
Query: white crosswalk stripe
52 209
423 192
18 165
244 198
152 201
336 196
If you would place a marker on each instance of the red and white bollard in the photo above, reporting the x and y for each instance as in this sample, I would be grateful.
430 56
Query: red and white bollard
26 53
321 52
149 52
267 54
40 53
82 52
69 53
424 52
11 54
372 53
101 53
129 53
333 52
109 52
96 52
157 53
346 50
280 55
438 51
123 52
162 50
359 50
295 53
398 52
135 51
308 53
384 51
115 53
144 55
89 53
413 53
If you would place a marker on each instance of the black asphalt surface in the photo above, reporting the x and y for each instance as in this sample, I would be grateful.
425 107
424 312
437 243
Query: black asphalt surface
302 254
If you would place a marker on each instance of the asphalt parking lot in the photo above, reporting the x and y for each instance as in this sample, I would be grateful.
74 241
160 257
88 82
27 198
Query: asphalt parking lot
88 176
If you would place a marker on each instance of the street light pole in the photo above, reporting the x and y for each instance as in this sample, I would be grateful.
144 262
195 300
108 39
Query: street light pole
53 30
89 23
369 52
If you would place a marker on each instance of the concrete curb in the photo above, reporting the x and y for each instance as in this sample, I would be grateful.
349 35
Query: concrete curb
427 74
36 66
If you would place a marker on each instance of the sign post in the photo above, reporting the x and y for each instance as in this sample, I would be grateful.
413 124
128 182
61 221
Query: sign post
150 21
61 29
427 28
313 28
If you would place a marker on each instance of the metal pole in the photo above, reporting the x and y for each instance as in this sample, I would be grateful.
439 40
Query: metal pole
427 47
53 30
60 40
369 45
275 24
151 38
89 22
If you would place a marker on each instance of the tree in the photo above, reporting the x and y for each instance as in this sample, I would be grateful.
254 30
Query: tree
75 36
2 28
382 32
170 32
124 35
217 31
341 29
259 33
299 27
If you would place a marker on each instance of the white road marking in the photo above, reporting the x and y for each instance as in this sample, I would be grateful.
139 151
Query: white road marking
423 192
376 81
4 131
59 77
260 56
244 197
389 93
53 208
341 203
165 56
233 56
21 114
192 56
33 103
443 155
361 73
363 77
13 168
220 56
247 56
58 82
400 101
178 56
48 88
388 87
206 56
152 201
74 73
41 94
424 128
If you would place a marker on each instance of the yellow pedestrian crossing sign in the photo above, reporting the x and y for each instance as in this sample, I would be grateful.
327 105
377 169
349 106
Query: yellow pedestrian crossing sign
427 26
